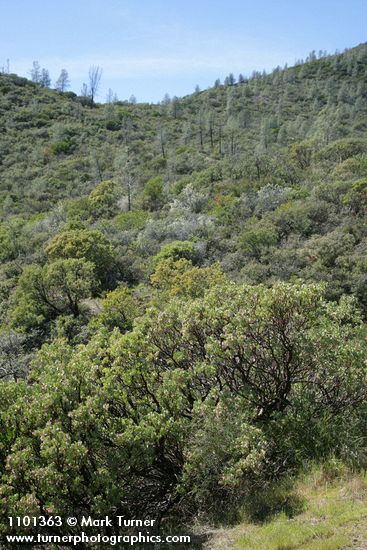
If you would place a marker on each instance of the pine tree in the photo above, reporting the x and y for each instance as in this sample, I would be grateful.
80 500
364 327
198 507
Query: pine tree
63 82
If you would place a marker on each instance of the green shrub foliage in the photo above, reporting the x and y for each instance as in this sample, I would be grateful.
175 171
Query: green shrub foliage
182 410
183 293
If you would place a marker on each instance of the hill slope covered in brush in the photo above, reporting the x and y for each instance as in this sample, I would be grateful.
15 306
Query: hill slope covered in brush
182 291
265 176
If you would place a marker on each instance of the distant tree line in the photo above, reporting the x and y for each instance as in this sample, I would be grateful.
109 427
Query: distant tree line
41 76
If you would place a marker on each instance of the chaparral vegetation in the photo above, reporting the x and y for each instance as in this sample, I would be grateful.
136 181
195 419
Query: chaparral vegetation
183 297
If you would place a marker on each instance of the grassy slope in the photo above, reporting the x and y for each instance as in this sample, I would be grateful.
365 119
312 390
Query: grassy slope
334 517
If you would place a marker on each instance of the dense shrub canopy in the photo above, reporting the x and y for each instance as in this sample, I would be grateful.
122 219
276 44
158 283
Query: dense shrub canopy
140 420
183 291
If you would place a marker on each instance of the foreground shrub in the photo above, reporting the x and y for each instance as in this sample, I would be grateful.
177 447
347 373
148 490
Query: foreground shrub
198 403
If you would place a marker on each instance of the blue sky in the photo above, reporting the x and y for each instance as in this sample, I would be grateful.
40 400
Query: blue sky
150 47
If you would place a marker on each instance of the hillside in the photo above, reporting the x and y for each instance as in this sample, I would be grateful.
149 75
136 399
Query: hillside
261 175
183 293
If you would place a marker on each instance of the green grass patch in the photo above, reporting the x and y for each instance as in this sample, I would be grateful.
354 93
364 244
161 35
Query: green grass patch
334 515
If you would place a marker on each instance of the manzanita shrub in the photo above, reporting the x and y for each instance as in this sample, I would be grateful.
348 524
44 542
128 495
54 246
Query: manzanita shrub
203 400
